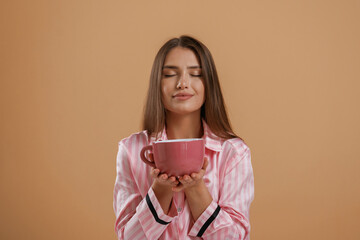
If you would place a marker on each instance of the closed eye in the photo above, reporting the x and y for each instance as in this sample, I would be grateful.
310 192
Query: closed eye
173 75
169 75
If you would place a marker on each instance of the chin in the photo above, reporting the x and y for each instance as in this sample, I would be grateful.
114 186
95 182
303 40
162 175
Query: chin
183 111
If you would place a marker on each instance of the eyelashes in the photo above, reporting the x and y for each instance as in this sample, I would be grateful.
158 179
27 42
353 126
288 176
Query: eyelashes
173 75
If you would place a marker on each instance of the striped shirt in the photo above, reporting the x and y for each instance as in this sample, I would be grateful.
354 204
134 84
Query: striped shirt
229 179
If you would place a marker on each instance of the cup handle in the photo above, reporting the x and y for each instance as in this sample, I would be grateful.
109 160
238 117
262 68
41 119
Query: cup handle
142 156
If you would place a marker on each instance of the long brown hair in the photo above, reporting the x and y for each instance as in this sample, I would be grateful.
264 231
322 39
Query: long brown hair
213 110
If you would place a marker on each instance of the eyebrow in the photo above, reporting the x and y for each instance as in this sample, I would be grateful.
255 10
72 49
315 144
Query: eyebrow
175 67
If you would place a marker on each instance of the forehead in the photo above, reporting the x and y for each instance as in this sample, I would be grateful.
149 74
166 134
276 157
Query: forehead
181 57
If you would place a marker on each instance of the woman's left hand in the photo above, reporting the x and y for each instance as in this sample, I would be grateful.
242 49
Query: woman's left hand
193 180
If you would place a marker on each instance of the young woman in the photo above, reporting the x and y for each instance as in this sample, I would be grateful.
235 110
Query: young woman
184 101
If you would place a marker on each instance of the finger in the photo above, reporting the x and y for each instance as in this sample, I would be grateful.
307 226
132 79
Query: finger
174 184
202 171
172 179
151 156
155 172
177 188
196 176
163 177
181 180
206 163
186 179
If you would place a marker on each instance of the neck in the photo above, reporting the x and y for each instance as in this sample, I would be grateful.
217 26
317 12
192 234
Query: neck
183 126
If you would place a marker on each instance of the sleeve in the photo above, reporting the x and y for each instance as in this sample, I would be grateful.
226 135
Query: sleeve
229 217
136 217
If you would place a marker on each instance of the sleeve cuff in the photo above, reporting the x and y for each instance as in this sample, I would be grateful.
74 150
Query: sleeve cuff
205 219
151 216
155 208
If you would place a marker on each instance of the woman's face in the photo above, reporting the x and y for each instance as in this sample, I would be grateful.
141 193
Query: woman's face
182 84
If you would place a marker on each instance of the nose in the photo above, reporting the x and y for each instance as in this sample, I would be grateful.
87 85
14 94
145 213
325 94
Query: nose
183 82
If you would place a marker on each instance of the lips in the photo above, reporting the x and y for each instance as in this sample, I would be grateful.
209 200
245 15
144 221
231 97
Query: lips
183 95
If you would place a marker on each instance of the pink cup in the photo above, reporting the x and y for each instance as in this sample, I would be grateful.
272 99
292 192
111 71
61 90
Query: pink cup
176 157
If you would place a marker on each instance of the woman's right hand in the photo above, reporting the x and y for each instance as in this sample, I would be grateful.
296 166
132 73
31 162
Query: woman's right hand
162 180
162 187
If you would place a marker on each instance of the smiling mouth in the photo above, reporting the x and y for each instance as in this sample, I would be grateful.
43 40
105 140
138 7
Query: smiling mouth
182 96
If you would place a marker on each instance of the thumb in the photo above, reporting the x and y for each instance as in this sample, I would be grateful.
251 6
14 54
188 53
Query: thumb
206 163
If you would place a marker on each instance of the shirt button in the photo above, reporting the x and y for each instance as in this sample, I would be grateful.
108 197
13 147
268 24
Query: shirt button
179 209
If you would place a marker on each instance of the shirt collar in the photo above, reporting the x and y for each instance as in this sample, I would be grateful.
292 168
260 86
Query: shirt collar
212 141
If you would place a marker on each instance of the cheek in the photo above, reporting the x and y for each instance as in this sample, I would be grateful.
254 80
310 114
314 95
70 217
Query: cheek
165 95
200 89
165 87
164 91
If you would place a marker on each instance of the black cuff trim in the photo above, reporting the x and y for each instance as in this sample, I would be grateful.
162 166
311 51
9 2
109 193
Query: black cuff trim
153 211
209 221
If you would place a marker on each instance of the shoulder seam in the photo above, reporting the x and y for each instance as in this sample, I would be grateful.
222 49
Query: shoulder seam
137 133
245 146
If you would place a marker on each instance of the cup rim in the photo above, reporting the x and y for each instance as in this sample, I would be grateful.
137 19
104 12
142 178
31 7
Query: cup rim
179 140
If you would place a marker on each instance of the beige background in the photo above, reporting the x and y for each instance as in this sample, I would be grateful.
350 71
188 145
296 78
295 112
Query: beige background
73 79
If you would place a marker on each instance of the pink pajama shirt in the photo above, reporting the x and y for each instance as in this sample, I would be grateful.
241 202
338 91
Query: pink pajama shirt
229 179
